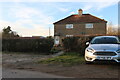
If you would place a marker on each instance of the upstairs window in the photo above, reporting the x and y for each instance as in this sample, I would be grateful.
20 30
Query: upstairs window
69 26
89 25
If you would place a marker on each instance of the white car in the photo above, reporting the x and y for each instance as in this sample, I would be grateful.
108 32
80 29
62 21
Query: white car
103 48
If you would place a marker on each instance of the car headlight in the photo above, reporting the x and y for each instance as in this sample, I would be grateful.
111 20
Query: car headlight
118 51
90 50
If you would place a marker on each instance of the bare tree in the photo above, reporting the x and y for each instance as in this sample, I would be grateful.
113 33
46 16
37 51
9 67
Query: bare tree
112 30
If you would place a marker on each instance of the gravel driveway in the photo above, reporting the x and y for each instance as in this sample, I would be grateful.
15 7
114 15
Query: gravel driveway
28 62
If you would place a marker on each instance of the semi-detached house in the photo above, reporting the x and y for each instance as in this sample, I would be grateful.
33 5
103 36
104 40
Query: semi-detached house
79 24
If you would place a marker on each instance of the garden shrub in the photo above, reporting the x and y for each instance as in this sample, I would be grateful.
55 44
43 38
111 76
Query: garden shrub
70 43
76 44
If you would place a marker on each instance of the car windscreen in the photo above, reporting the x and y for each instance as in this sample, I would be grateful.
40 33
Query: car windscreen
105 40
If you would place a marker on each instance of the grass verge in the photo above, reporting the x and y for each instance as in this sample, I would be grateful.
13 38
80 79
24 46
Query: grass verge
66 59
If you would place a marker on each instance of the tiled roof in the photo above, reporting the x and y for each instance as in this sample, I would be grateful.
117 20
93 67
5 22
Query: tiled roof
85 18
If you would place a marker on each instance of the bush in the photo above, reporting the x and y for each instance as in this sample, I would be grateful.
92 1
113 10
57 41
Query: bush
82 44
27 45
69 43
76 44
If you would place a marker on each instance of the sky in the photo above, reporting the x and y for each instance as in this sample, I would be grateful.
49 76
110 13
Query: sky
34 18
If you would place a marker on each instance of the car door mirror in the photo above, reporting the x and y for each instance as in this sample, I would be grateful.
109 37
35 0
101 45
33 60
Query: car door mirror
87 43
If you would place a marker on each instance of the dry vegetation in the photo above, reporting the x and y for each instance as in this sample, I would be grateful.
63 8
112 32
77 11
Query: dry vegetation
111 29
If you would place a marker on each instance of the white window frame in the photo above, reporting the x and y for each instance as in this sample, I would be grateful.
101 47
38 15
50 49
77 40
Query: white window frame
89 25
69 26
69 35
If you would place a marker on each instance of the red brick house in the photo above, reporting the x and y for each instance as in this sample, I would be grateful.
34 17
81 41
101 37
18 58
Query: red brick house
79 24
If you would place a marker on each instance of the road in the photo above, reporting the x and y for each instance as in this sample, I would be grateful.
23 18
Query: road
12 73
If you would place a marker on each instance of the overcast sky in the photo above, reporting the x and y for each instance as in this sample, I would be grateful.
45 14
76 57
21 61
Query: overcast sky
34 18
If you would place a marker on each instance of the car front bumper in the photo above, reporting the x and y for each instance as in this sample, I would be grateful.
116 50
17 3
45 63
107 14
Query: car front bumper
90 57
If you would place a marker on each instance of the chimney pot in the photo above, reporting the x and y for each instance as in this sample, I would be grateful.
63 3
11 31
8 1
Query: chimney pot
80 11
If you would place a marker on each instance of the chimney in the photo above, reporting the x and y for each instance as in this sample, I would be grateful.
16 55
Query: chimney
80 11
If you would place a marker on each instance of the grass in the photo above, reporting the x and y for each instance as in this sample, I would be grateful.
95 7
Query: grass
66 59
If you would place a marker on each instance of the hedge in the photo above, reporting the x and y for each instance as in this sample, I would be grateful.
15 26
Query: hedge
27 45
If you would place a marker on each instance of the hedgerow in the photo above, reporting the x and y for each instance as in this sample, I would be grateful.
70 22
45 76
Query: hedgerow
27 45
